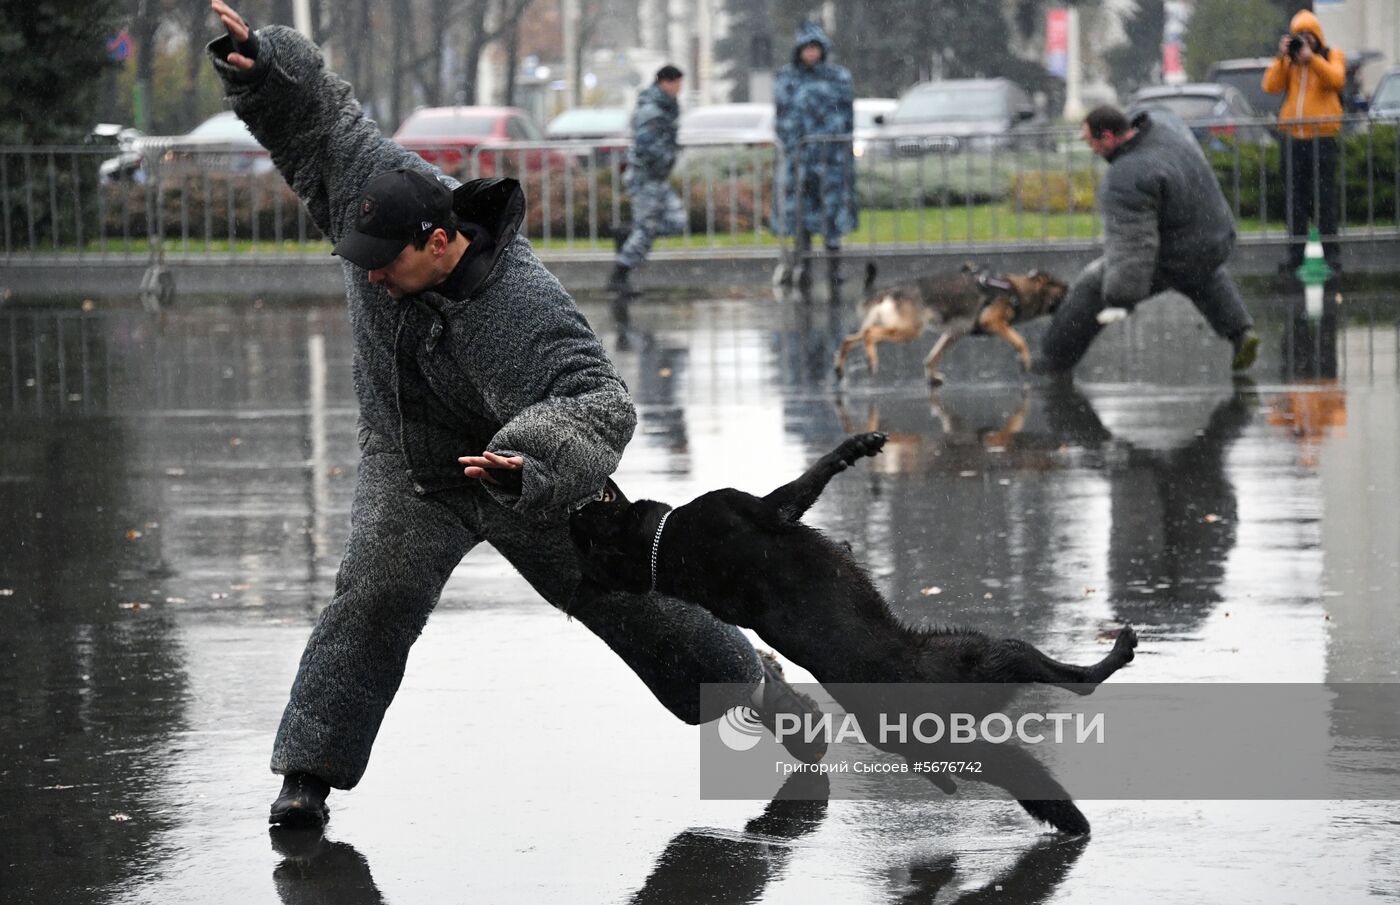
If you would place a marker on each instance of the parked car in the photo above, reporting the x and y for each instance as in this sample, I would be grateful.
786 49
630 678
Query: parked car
445 136
725 124
606 129
126 166
960 114
220 144
868 110
1246 75
1385 100
1211 110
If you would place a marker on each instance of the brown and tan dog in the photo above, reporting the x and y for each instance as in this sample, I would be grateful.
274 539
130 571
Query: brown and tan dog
968 302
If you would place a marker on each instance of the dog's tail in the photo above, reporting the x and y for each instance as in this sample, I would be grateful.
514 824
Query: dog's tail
870 271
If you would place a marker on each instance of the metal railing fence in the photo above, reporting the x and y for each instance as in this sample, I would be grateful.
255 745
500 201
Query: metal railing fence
919 191
1038 185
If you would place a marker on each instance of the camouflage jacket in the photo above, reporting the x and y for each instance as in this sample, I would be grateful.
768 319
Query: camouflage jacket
653 152
812 100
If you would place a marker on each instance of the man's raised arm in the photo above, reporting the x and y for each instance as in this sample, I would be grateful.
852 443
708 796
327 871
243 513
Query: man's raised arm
306 117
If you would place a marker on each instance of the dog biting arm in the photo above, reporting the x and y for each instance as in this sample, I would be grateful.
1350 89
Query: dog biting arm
567 415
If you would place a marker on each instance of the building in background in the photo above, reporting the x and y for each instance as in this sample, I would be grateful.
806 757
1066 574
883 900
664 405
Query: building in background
1357 26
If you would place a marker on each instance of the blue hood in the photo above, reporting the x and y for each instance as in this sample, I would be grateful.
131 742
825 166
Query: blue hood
810 32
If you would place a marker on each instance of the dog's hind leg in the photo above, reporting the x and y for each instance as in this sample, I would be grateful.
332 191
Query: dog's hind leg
1021 774
994 321
793 499
940 348
876 335
846 345
1064 816
1012 660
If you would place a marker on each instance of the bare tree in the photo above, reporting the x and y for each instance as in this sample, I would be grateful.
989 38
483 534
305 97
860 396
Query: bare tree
507 15
512 63
590 16
401 48
440 18
192 17
145 19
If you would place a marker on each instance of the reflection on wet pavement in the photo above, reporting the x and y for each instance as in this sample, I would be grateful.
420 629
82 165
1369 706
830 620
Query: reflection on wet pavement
178 495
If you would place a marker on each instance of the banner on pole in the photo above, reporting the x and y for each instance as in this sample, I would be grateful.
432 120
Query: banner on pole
1057 41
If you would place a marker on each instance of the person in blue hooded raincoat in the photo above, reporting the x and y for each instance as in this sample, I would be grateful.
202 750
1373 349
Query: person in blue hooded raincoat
814 97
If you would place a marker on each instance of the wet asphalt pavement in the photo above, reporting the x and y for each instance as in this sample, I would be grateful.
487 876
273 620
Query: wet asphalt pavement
177 494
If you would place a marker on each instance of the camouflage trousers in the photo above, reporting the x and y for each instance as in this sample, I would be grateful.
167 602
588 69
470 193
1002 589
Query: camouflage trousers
656 211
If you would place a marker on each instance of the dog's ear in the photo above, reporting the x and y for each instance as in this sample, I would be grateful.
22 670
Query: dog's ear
613 493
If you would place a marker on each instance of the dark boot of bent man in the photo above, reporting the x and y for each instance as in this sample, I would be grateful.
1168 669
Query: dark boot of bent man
302 802
1246 350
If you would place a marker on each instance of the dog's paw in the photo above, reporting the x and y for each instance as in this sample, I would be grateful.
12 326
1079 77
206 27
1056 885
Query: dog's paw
859 446
1126 643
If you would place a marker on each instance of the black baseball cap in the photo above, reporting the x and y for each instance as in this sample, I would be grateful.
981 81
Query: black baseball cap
395 208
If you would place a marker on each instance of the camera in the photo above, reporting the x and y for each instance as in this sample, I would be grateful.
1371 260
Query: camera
1295 45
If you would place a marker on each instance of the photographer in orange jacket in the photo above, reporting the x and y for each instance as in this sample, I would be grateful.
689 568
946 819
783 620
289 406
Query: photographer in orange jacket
1311 76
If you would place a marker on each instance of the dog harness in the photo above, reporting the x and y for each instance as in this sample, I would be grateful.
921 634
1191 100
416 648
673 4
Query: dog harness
993 286
656 544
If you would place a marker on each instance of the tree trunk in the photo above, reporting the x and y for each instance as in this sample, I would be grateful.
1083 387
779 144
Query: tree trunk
440 18
396 66
145 18
193 66
512 62
477 39
590 14
366 92
357 11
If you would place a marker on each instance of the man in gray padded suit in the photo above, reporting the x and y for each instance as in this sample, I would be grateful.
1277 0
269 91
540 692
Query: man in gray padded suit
463 343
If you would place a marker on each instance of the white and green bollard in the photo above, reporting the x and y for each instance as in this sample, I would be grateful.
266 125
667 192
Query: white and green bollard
1314 273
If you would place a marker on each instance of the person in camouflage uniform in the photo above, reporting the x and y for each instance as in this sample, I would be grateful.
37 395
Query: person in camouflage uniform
656 209
814 97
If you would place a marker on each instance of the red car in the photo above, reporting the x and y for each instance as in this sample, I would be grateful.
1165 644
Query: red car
445 136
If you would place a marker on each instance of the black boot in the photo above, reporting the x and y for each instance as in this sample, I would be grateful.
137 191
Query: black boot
1246 346
618 282
802 263
833 264
302 802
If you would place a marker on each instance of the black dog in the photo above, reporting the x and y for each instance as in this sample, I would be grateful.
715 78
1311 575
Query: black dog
751 562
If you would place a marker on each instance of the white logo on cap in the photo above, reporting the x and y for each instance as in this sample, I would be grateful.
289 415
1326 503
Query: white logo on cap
426 224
